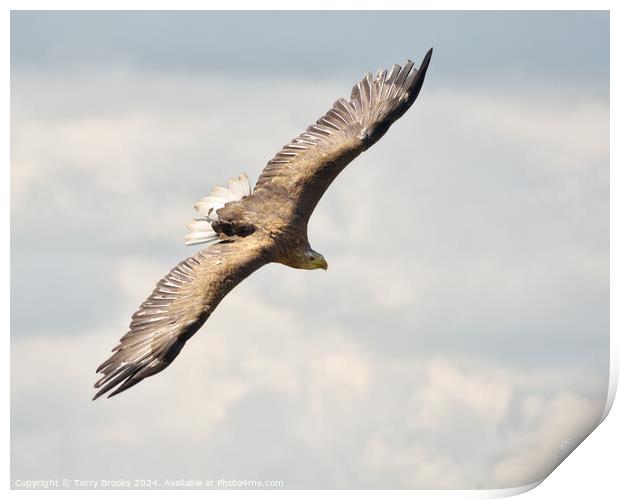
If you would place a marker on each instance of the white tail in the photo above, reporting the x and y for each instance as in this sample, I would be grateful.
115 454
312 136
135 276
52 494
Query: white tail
200 230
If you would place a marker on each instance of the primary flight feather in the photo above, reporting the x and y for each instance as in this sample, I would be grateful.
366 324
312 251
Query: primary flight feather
248 229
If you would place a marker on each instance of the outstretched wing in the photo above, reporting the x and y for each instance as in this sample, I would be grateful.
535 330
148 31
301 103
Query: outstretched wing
177 308
306 166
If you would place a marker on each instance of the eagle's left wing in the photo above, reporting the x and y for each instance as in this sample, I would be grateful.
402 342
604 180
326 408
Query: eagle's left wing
181 302
305 167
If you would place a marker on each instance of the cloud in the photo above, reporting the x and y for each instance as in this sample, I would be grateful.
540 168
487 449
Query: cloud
448 388
537 447
464 316
426 423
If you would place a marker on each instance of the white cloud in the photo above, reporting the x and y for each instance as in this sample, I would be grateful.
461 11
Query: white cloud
417 467
447 389
559 135
446 346
369 417
534 450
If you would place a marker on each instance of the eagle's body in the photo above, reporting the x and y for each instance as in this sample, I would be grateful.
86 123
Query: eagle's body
250 229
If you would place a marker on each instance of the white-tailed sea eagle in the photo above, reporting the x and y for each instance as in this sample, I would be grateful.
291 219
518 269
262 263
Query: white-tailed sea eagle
249 228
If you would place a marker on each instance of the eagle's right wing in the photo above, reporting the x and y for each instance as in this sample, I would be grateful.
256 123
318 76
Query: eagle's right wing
181 302
304 168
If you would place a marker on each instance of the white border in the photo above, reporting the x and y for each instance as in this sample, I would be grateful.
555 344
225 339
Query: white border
588 471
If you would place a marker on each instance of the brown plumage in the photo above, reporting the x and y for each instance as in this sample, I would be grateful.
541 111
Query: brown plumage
252 229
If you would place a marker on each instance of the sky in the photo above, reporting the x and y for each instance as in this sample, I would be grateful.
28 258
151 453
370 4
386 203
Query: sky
461 334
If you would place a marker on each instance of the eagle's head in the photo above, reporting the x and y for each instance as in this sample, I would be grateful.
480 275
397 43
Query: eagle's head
310 259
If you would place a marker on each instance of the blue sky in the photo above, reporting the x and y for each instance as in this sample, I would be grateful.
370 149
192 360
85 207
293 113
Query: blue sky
465 312
550 44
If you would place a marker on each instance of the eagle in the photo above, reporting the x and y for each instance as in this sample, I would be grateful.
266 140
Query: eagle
246 228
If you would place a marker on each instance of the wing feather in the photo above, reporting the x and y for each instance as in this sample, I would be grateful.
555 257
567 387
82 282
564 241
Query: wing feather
307 165
178 306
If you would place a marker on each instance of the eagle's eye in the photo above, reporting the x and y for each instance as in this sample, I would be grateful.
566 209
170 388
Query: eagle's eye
311 258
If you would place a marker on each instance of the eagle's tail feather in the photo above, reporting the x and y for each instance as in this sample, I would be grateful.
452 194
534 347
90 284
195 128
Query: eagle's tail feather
200 229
